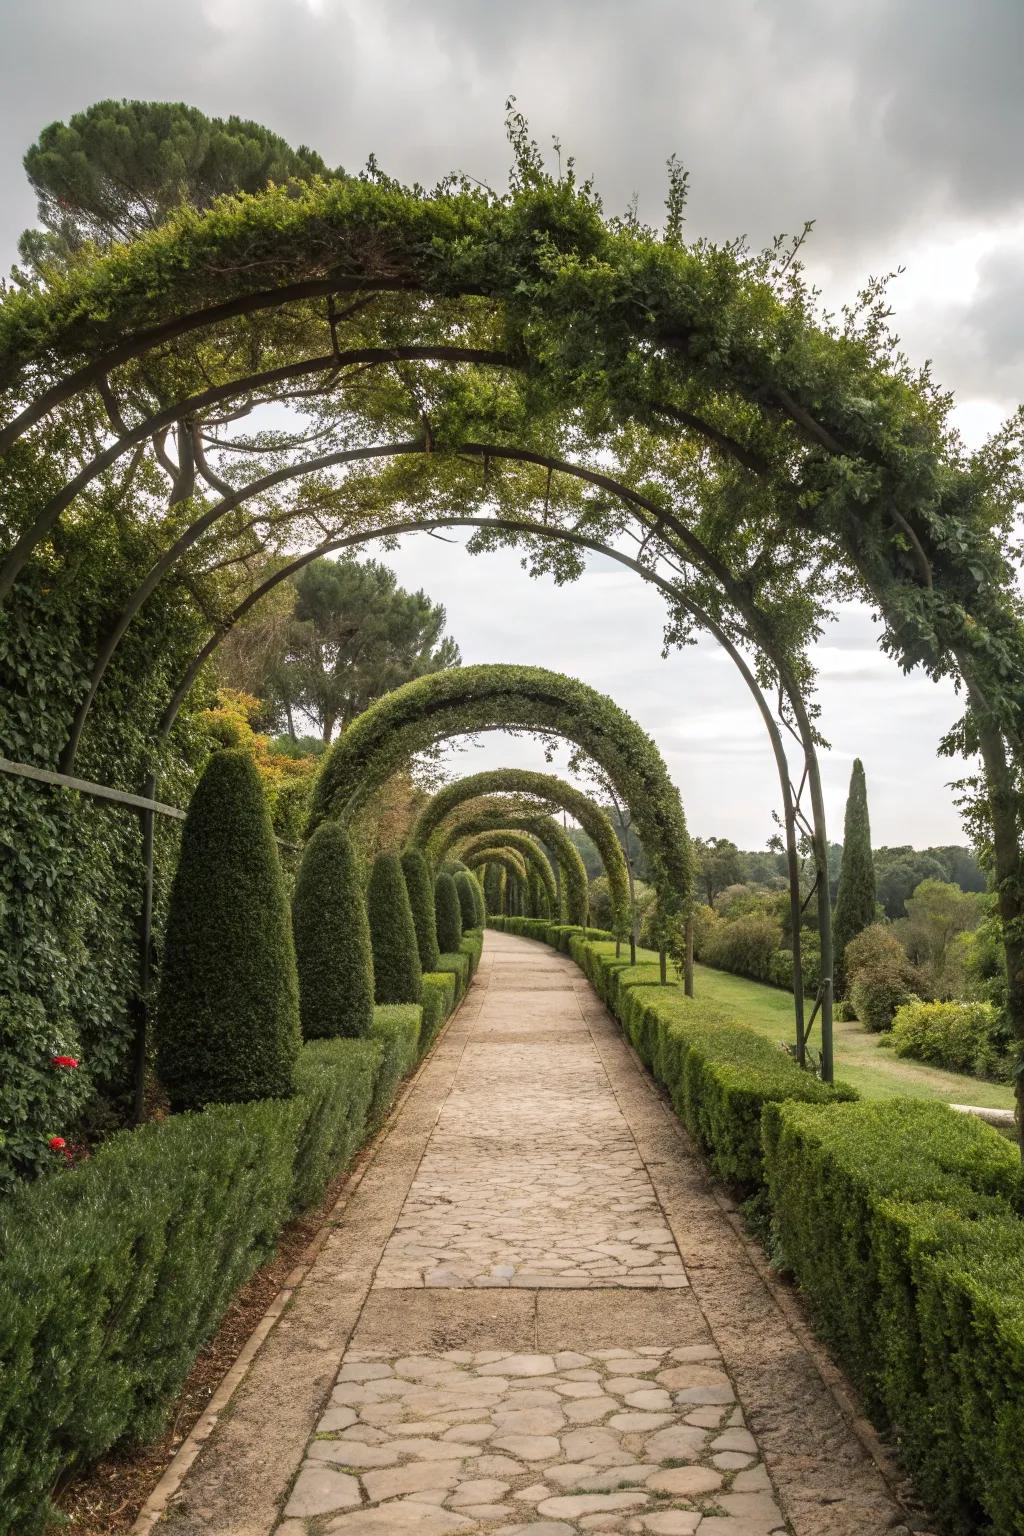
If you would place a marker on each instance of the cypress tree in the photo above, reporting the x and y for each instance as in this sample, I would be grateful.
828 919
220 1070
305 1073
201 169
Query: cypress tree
449 914
332 938
855 903
467 902
228 1009
421 899
398 976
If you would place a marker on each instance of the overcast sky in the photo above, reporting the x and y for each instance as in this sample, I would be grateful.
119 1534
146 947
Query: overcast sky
896 124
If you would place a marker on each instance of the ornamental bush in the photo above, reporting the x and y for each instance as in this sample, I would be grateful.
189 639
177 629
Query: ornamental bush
42 1094
421 898
228 1010
878 991
464 886
963 1037
332 938
396 960
449 914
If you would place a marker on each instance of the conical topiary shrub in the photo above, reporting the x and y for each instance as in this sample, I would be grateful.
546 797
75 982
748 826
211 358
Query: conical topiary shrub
228 1012
332 938
449 914
467 903
397 974
421 898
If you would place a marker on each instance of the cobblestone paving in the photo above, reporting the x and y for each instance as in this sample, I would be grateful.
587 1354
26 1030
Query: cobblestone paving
532 1179
650 1440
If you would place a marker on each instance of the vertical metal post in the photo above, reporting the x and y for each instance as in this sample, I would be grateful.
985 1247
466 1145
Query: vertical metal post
688 963
143 1002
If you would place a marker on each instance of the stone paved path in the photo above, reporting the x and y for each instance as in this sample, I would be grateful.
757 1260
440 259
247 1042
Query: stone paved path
534 1320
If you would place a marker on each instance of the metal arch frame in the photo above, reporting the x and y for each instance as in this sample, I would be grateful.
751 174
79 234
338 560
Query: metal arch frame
662 520
790 797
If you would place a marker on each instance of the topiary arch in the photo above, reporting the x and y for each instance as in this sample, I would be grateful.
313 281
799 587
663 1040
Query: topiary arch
574 887
529 850
434 832
483 698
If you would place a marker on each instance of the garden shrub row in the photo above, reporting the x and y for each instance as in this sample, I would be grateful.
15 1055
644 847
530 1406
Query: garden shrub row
901 1222
114 1275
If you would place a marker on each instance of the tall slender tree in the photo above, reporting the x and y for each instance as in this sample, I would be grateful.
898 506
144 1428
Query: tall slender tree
855 903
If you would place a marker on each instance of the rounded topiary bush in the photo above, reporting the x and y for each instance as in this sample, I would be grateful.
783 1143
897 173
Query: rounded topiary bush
449 914
480 918
421 899
228 1011
464 883
332 938
397 973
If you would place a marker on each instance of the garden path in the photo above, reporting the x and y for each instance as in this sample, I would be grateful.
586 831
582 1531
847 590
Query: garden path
534 1318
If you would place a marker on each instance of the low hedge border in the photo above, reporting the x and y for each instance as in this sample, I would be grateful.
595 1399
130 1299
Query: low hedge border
900 1220
114 1275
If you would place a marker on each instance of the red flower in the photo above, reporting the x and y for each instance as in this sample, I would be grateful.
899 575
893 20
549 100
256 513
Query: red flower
56 1143
64 1061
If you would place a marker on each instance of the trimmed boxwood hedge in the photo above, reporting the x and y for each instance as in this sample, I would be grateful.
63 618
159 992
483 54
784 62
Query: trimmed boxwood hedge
397 972
332 938
438 1003
449 913
228 1010
396 1027
901 1222
420 885
114 1274
338 1080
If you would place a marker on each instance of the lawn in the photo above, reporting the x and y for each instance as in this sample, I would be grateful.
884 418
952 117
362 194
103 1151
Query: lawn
860 1057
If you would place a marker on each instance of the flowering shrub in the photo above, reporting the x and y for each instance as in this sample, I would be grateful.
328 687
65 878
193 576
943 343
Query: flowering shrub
44 1089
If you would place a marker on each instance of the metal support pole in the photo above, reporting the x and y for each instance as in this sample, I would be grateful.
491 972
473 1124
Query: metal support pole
688 964
147 822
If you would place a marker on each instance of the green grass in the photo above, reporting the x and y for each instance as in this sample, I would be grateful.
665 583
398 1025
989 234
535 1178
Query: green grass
860 1058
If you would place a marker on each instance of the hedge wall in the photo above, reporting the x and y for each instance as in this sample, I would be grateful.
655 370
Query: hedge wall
114 1274
902 1223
